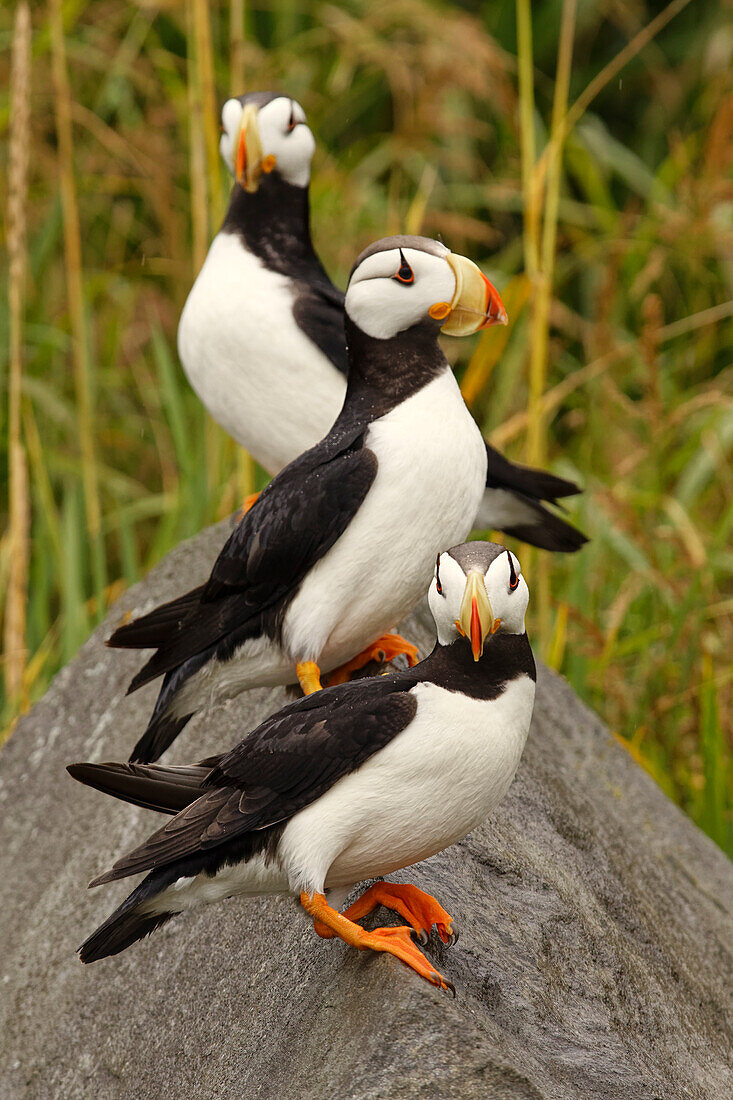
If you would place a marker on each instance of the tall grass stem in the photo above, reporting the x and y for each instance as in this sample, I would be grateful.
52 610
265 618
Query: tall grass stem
197 151
237 17
606 75
206 92
527 136
75 293
14 629
539 339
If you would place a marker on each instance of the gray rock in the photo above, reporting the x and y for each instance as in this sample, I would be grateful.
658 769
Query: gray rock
594 959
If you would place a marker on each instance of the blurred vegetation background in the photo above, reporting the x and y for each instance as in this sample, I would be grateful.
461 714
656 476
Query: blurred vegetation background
581 154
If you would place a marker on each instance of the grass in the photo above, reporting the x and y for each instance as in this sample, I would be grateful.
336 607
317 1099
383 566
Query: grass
585 163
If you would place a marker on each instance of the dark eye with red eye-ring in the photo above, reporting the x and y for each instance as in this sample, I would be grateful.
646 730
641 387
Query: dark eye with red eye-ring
513 578
405 273
291 122
438 585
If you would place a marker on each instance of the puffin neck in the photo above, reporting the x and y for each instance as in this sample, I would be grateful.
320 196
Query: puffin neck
274 224
384 373
505 657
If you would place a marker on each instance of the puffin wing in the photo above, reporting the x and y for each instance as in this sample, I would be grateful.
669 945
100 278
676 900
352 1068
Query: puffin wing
288 762
319 312
297 519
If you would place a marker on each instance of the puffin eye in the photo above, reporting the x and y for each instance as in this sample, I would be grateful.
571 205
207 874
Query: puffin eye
291 122
405 273
513 578
438 585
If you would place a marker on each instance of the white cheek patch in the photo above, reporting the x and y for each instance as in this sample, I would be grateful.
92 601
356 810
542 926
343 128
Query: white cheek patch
231 118
509 605
293 149
445 607
382 306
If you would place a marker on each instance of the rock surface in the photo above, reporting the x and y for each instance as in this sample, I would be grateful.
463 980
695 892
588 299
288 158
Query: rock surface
594 960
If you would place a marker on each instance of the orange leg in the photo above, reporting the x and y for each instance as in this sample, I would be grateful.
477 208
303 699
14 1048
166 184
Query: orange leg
386 648
395 941
309 677
247 503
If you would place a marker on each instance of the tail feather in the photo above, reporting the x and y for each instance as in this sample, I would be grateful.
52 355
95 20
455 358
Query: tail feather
551 533
152 786
130 922
156 628
527 519
160 735
119 932
539 484
151 670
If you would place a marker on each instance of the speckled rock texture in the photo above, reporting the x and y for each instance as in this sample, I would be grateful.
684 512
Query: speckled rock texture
594 958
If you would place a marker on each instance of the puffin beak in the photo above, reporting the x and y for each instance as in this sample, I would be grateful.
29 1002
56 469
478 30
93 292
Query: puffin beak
249 162
476 620
476 303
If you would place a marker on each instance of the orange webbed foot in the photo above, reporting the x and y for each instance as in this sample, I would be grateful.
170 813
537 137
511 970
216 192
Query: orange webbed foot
399 942
419 909
385 648
394 941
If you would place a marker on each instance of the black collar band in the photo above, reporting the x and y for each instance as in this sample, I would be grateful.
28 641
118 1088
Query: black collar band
384 373
505 657
274 224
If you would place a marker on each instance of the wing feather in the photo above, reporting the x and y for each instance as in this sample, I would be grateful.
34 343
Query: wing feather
297 519
288 762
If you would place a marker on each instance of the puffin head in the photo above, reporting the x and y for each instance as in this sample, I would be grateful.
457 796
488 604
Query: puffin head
263 132
400 282
477 591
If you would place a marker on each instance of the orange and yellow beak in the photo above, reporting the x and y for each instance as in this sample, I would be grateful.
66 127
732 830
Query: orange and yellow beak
476 303
249 162
476 618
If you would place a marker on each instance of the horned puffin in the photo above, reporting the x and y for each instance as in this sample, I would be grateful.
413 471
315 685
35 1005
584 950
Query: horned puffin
356 781
261 336
341 543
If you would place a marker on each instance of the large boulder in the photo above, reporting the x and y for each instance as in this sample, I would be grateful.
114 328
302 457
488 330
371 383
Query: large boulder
594 959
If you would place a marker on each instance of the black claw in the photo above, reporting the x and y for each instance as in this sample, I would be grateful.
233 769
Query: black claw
443 983
420 937
452 937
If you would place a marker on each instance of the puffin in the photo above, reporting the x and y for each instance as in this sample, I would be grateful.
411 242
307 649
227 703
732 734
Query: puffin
261 337
357 781
340 545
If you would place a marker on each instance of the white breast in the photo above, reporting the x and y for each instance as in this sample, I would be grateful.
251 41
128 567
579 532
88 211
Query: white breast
434 783
430 479
254 369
